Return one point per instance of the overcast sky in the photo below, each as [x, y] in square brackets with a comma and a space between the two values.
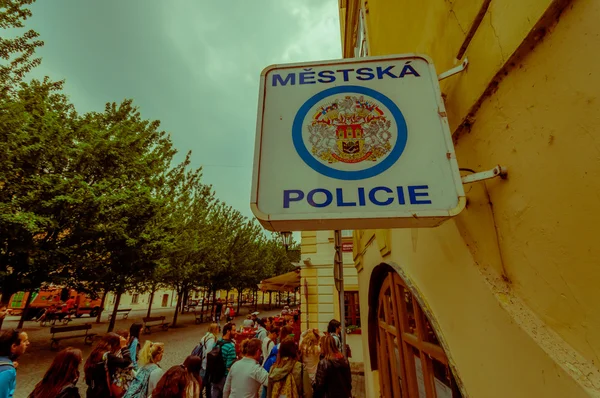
[192, 64]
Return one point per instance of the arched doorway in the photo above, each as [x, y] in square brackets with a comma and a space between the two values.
[411, 362]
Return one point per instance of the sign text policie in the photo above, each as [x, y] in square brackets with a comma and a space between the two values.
[353, 144]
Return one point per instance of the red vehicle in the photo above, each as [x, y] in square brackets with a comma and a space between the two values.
[44, 298]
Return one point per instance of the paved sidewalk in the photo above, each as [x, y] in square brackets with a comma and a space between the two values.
[179, 342]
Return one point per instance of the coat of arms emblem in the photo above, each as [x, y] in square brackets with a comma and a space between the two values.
[350, 130]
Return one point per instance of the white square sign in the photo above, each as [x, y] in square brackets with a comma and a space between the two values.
[354, 144]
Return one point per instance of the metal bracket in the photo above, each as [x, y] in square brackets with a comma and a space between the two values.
[454, 70]
[497, 171]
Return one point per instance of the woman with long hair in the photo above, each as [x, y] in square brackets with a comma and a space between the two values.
[175, 383]
[333, 378]
[287, 373]
[60, 380]
[110, 354]
[134, 342]
[150, 372]
[193, 364]
[310, 353]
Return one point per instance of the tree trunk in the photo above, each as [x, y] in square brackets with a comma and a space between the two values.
[150, 300]
[256, 299]
[102, 302]
[25, 310]
[184, 301]
[113, 318]
[204, 301]
[227, 297]
[214, 302]
[239, 301]
[179, 299]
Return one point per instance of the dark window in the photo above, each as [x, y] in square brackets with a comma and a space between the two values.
[352, 309]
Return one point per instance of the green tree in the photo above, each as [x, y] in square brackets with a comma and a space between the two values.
[36, 187]
[122, 226]
[191, 203]
[17, 52]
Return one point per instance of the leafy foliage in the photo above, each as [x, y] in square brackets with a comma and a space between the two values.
[96, 202]
[17, 51]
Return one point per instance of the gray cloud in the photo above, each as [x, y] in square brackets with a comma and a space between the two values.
[194, 65]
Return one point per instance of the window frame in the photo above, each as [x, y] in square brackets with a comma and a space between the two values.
[361, 49]
[403, 329]
[347, 233]
[17, 301]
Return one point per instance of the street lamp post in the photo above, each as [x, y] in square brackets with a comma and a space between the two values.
[338, 273]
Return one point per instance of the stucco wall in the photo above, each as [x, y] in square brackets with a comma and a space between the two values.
[543, 123]
[512, 282]
[439, 29]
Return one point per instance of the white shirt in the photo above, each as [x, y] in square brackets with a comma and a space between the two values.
[267, 346]
[244, 379]
[209, 342]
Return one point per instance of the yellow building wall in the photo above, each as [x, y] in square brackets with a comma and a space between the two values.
[512, 282]
[439, 28]
[320, 299]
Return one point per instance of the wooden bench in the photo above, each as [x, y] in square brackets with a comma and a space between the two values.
[151, 321]
[124, 311]
[88, 337]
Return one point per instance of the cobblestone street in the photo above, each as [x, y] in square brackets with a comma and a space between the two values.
[179, 342]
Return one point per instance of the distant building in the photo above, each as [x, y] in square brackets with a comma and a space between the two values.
[319, 297]
[163, 298]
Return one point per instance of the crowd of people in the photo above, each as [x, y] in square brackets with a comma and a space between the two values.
[266, 357]
[277, 361]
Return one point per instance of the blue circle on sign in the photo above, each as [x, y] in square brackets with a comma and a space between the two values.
[312, 162]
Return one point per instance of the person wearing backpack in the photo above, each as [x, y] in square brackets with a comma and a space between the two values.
[12, 344]
[220, 359]
[102, 364]
[230, 312]
[287, 377]
[150, 372]
[269, 342]
[246, 376]
[283, 334]
[270, 360]
[134, 343]
[205, 346]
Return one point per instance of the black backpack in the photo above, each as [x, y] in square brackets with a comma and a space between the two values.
[215, 363]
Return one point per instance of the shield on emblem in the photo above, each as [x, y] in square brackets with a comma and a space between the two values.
[350, 140]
